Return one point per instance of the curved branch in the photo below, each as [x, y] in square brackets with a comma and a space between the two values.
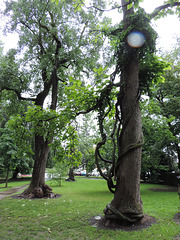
[129, 148]
[17, 93]
[162, 7]
[103, 159]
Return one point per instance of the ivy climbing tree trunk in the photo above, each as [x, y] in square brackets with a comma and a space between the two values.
[127, 198]
[127, 203]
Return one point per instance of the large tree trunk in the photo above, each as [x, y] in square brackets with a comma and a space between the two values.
[127, 200]
[37, 187]
[127, 204]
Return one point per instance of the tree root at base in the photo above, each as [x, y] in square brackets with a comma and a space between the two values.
[38, 192]
[112, 213]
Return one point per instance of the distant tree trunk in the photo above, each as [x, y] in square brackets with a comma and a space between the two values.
[15, 173]
[71, 174]
[7, 176]
[178, 154]
[127, 204]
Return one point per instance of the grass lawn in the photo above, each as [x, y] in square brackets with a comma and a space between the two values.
[12, 184]
[68, 217]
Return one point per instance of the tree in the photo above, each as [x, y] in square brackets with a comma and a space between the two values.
[131, 58]
[161, 123]
[127, 204]
[72, 153]
[12, 156]
[168, 100]
[57, 42]
[157, 157]
[7, 150]
[10, 106]
[87, 134]
[127, 201]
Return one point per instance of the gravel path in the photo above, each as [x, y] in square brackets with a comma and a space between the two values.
[12, 191]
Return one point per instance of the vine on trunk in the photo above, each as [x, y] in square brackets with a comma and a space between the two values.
[123, 55]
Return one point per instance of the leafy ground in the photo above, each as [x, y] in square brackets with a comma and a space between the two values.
[68, 217]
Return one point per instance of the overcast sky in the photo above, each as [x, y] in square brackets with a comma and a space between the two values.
[168, 28]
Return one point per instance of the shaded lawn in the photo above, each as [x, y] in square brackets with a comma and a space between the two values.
[68, 217]
[13, 184]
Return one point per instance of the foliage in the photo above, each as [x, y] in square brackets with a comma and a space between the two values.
[151, 72]
[171, 7]
[135, 21]
[161, 123]
[8, 150]
[12, 155]
[65, 148]
[71, 146]
[56, 173]
[21, 134]
[60, 45]
[156, 155]
[88, 135]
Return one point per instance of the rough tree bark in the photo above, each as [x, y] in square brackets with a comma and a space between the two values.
[127, 203]
[37, 187]
[71, 174]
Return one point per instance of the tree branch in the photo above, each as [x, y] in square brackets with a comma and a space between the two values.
[160, 8]
[26, 25]
[17, 93]
[104, 10]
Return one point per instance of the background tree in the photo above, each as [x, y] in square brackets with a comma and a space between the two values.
[57, 42]
[8, 150]
[167, 97]
[161, 124]
[9, 106]
[87, 134]
[12, 156]
[72, 154]
[157, 157]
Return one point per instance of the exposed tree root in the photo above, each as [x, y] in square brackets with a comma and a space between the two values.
[112, 213]
[113, 224]
[70, 180]
[38, 192]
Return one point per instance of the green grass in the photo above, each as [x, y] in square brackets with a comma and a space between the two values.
[68, 217]
[12, 184]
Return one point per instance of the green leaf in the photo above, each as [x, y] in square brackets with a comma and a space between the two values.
[136, 4]
[129, 6]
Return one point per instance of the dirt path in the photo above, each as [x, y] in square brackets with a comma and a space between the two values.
[12, 191]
